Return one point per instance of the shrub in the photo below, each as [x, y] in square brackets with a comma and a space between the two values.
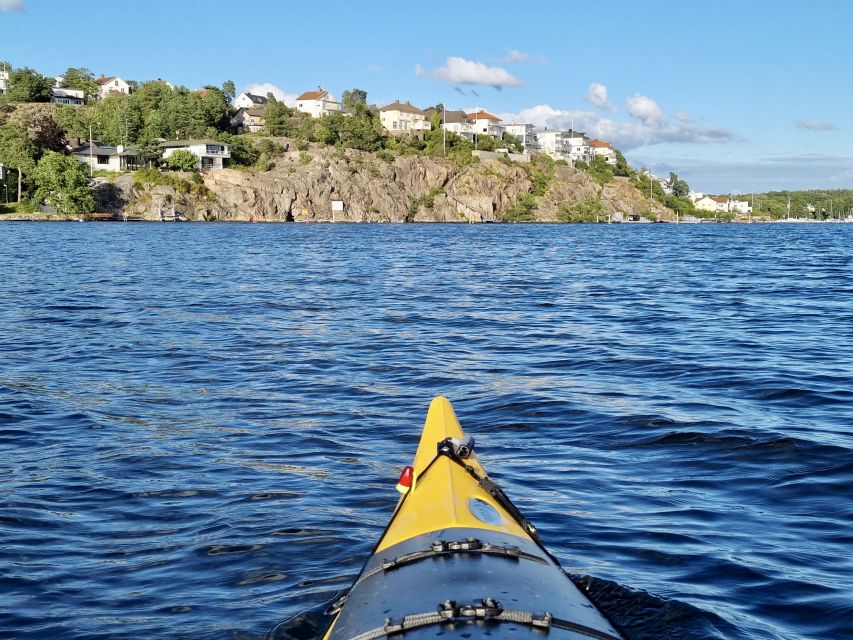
[183, 160]
[589, 210]
[522, 210]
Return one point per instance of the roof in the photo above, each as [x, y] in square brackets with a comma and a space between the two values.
[256, 98]
[448, 116]
[720, 199]
[313, 95]
[100, 149]
[252, 111]
[104, 80]
[405, 107]
[600, 144]
[187, 143]
[483, 115]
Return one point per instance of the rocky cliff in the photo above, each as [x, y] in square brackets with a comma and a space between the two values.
[302, 186]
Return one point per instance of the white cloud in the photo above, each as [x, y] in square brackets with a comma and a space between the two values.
[597, 97]
[461, 71]
[374, 68]
[263, 88]
[655, 128]
[815, 125]
[11, 5]
[644, 108]
[514, 56]
[419, 70]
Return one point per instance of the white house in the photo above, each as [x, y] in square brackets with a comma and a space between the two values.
[553, 143]
[102, 157]
[717, 204]
[485, 122]
[4, 79]
[402, 117]
[250, 100]
[211, 154]
[75, 97]
[318, 103]
[605, 150]
[526, 133]
[111, 84]
[740, 206]
[248, 119]
[455, 121]
[580, 149]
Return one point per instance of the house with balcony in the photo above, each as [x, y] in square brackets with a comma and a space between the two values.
[211, 154]
[401, 118]
[74, 97]
[248, 120]
[526, 133]
[580, 149]
[103, 157]
[249, 101]
[454, 121]
[318, 103]
[486, 123]
[110, 85]
[605, 150]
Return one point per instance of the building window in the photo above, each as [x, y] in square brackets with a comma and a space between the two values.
[103, 159]
[214, 148]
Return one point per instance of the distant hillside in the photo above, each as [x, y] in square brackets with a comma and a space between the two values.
[817, 203]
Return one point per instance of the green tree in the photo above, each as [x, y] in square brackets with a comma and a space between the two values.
[80, 78]
[18, 152]
[28, 85]
[183, 160]
[277, 118]
[63, 183]
[513, 143]
[622, 168]
[680, 189]
[229, 89]
[354, 101]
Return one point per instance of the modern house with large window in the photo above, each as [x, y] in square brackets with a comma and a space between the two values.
[75, 97]
[103, 157]
[211, 154]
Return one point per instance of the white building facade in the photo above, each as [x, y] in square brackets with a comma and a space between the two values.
[486, 123]
[110, 85]
[74, 97]
[402, 117]
[527, 134]
[249, 101]
[4, 80]
[211, 154]
[318, 103]
[102, 157]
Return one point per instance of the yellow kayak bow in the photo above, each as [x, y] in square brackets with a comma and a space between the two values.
[459, 559]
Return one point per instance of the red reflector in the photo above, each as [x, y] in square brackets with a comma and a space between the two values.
[407, 476]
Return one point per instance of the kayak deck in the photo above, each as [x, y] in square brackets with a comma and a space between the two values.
[457, 559]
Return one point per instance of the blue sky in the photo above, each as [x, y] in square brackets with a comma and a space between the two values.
[734, 96]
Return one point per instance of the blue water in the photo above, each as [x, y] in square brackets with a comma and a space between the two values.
[201, 426]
